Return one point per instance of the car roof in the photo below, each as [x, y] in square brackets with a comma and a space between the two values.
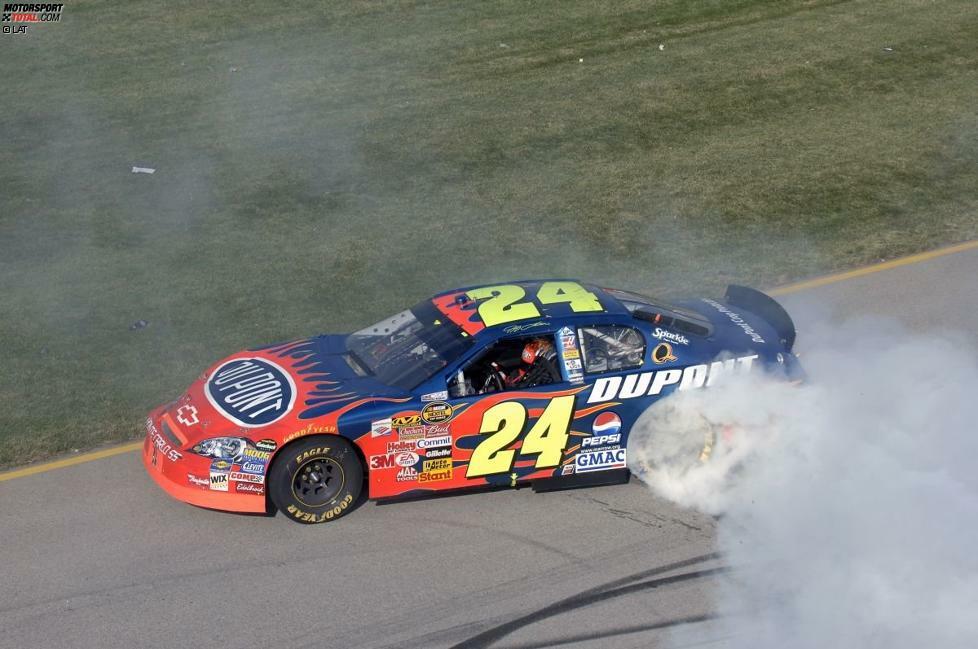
[461, 309]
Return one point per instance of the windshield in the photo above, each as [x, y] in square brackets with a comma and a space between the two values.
[408, 347]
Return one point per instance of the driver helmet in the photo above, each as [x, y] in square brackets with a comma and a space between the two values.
[538, 348]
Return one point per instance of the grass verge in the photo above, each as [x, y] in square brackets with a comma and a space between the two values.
[320, 168]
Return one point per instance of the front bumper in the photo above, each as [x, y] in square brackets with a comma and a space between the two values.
[173, 470]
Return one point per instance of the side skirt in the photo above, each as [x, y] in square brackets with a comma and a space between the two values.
[595, 479]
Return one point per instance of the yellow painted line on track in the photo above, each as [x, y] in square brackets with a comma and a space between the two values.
[782, 290]
[873, 268]
[78, 459]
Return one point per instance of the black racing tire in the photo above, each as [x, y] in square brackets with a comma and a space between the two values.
[316, 479]
[671, 439]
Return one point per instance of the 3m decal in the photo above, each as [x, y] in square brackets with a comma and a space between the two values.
[504, 422]
[384, 461]
[391, 460]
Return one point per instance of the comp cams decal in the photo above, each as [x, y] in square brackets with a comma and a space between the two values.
[251, 392]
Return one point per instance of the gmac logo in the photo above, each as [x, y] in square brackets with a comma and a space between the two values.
[251, 392]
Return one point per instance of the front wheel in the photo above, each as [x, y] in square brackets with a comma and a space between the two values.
[316, 480]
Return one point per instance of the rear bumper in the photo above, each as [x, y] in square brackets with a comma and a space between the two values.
[174, 472]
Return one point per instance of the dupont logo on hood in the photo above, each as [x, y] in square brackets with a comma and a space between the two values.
[251, 392]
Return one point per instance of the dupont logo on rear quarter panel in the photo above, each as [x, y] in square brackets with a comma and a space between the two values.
[251, 392]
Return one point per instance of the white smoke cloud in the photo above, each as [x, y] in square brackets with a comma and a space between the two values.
[848, 506]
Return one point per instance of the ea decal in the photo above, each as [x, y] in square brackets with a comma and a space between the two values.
[251, 392]
[607, 423]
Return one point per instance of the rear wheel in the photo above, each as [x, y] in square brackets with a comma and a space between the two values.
[668, 438]
[317, 479]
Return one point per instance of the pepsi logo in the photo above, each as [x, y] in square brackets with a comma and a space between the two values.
[606, 423]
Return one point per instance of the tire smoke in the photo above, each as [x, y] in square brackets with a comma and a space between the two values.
[848, 506]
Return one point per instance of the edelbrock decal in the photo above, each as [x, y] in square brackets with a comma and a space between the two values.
[251, 392]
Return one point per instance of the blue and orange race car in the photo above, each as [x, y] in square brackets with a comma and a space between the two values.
[531, 382]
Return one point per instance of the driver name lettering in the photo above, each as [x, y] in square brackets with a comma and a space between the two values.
[643, 384]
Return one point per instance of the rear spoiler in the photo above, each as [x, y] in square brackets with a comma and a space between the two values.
[767, 308]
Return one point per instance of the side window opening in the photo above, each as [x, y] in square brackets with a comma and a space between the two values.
[511, 364]
[611, 348]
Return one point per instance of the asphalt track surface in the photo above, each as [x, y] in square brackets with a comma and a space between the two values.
[95, 555]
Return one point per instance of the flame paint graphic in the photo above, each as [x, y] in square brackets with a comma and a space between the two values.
[325, 396]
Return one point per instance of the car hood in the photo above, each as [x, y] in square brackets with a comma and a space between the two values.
[258, 391]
